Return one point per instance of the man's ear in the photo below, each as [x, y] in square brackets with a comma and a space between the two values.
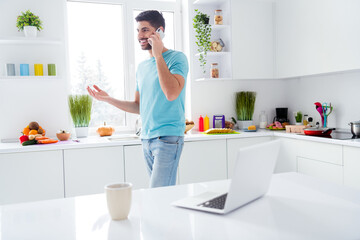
[162, 28]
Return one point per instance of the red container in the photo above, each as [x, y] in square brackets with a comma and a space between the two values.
[201, 124]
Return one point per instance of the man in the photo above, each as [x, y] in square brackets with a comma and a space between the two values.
[160, 100]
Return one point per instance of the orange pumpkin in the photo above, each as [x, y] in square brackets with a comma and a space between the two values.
[105, 130]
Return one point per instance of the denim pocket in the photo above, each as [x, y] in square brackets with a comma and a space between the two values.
[169, 139]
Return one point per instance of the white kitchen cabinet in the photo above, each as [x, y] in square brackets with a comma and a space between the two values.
[135, 167]
[203, 161]
[233, 145]
[31, 176]
[287, 156]
[321, 160]
[314, 37]
[325, 152]
[252, 29]
[88, 170]
[352, 167]
[326, 171]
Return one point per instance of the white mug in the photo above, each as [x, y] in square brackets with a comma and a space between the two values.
[118, 196]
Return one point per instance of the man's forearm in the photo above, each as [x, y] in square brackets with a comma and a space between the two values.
[128, 106]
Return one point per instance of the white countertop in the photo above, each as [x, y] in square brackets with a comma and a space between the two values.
[129, 139]
[296, 207]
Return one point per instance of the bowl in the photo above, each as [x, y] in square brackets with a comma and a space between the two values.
[63, 136]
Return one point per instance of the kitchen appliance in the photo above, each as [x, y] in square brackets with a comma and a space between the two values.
[281, 115]
[355, 128]
[219, 121]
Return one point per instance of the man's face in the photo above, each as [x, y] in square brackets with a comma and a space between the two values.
[145, 30]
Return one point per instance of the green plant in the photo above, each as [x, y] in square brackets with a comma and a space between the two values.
[80, 109]
[203, 34]
[28, 19]
[298, 117]
[245, 105]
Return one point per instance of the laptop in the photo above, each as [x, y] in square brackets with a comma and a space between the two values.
[250, 181]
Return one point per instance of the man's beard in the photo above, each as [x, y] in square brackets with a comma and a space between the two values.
[146, 47]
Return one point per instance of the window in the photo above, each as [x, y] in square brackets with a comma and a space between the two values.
[102, 52]
[96, 55]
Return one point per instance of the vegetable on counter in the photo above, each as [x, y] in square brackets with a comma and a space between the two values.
[23, 138]
[29, 142]
[47, 141]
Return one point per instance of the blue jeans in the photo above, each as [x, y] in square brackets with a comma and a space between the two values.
[162, 156]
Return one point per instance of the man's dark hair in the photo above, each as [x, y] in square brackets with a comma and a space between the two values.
[155, 18]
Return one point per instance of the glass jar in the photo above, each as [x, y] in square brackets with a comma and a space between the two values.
[214, 70]
[218, 18]
[262, 119]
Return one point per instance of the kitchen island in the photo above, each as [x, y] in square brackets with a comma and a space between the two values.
[296, 207]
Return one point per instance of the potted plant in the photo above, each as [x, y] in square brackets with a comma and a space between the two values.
[245, 104]
[203, 34]
[29, 23]
[298, 118]
[80, 110]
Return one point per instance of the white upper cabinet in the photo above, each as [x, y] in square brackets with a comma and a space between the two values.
[316, 36]
[252, 39]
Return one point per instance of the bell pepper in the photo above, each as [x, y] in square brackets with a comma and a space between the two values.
[23, 138]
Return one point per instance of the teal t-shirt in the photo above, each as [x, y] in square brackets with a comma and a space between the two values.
[159, 116]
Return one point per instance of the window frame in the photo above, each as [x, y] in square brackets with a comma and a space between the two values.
[129, 44]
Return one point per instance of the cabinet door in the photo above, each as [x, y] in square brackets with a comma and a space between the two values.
[31, 176]
[203, 161]
[325, 152]
[310, 36]
[135, 167]
[352, 167]
[252, 39]
[88, 170]
[287, 156]
[323, 170]
[233, 146]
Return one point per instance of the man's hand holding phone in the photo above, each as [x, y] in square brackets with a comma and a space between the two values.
[155, 41]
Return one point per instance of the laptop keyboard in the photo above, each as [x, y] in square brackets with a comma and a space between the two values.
[218, 202]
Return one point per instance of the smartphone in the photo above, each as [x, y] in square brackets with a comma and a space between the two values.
[161, 33]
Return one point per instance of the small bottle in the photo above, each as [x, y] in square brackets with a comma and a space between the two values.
[214, 70]
[262, 119]
[206, 123]
[201, 124]
[218, 18]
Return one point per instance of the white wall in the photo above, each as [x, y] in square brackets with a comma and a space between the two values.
[219, 97]
[341, 89]
[28, 99]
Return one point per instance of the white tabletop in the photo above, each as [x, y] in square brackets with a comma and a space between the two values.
[296, 207]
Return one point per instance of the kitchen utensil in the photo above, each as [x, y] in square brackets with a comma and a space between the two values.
[355, 128]
[318, 131]
[327, 109]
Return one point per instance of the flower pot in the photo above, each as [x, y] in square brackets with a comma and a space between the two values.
[244, 124]
[81, 132]
[30, 31]
[298, 123]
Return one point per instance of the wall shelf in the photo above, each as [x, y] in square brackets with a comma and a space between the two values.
[206, 2]
[212, 79]
[211, 54]
[42, 78]
[31, 41]
[220, 27]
